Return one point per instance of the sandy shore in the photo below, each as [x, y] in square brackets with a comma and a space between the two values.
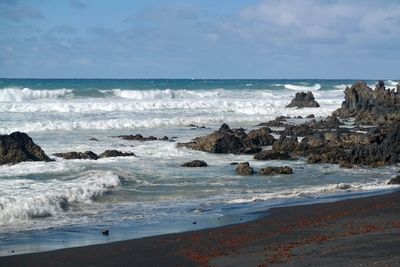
[355, 232]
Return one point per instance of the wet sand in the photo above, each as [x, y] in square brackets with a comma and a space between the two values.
[355, 232]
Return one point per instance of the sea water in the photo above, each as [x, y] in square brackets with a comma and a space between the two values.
[64, 203]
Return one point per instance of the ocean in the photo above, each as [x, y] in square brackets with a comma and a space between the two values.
[65, 203]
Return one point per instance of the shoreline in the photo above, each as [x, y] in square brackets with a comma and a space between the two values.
[319, 234]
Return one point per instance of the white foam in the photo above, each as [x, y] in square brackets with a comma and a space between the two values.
[27, 94]
[314, 87]
[389, 84]
[342, 86]
[166, 94]
[23, 199]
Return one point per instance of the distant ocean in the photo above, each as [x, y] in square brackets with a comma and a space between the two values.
[68, 203]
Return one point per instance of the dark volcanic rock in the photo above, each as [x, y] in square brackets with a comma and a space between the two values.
[195, 164]
[303, 100]
[398, 88]
[224, 140]
[18, 147]
[94, 139]
[370, 106]
[278, 122]
[244, 168]
[395, 180]
[138, 137]
[331, 122]
[116, 153]
[311, 116]
[261, 137]
[77, 155]
[285, 144]
[276, 170]
[272, 155]
[298, 130]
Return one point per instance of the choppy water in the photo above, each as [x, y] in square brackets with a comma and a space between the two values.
[66, 203]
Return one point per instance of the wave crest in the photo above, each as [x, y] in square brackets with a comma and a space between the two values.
[314, 87]
[27, 94]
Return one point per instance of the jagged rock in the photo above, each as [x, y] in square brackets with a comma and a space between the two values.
[298, 130]
[77, 155]
[398, 88]
[395, 180]
[311, 116]
[94, 139]
[331, 122]
[272, 155]
[276, 170]
[138, 137]
[116, 153]
[285, 144]
[261, 137]
[244, 168]
[195, 164]
[277, 122]
[164, 138]
[224, 140]
[18, 147]
[303, 100]
[370, 106]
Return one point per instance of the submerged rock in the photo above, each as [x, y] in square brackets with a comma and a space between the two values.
[395, 180]
[77, 155]
[18, 147]
[276, 170]
[303, 100]
[138, 137]
[244, 168]
[195, 164]
[116, 153]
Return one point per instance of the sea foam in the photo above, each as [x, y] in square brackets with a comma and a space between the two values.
[314, 87]
[27, 94]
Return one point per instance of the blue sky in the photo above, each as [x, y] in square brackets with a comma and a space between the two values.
[200, 39]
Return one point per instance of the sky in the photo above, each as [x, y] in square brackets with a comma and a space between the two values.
[327, 39]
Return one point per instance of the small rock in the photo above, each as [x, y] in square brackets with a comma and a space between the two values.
[106, 232]
[78, 155]
[244, 168]
[311, 116]
[195, 164]
[116, 153]
[234, 163]
[94, 139]
[303, 100]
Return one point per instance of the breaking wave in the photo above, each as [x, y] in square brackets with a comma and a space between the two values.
[27, 94]
[314, 87]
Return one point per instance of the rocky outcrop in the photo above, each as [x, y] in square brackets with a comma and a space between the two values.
[77, 155]
[276, 170]
[138, 137]
[244, 168]
[18, 147]
[116, 153]
[235, 141]
[195, 164]
[272, 155]
[298, 130]
[303, 100]
[368, 106]
[331, 122]
[286, 144]
[280, 121]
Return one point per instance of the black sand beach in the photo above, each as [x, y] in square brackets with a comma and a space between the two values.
[355, 232]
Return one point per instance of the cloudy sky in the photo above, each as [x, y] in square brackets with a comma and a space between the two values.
[200, 38]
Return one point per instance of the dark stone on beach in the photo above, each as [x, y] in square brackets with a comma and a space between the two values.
[77, 155]
[303, 100]
[395, 180]
[138, 137]
[106, 232]
[94, 139]
[244, 168]
[272, 155]
[224, 140]
[18, 147]
[370, 106]
[311, 116]
[276, 170]
[195, 164]
[116, 153]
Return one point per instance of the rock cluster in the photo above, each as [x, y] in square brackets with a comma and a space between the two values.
[303, 100]
[229, 141]
[93, 156]
[368, 106]
[18, 147]
[276, 170]
[244, 168]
